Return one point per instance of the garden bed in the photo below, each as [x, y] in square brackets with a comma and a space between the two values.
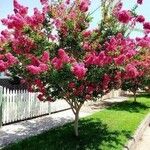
[107, 129]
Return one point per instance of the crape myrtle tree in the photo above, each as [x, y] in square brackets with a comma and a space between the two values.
[55, 54]
[142, 80]
[146, 60]
[136, 75]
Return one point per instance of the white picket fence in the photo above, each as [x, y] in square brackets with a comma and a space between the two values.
[17, 105]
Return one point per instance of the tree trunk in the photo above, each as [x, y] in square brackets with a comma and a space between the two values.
[75, 106]
[134, 93]
[76, 122]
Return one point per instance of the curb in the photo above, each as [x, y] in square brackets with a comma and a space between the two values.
[132, 143]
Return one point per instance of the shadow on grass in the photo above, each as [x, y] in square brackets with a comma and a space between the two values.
[140, 95]
[94, 135]
[129, 106]
[145, 95]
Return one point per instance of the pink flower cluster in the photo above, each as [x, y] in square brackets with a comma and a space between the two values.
[45, 57]
[44, 2]
[143, 42]
[84, 90]
[146, 25]
[20, 9]
[106, 80]
[79, 70]
[140, 1]
[21, 19]
[37, 69]
[84, 5]
[100, 59]
[22, 44]
[140, 19]
[131, 71]
[7, 61]
[124, 16]
[62, 59]
[38, 66]
[117, 50]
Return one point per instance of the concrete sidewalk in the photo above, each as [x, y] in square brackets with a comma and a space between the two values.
[144, 143]
[22, 130]
[18, 131]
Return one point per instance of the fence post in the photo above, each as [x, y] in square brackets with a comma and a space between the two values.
[1, 92]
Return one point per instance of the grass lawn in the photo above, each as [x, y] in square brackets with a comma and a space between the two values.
[109, 129]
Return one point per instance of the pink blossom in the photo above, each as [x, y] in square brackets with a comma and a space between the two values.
[43, 67]
[89, 59]
[86, 33]
[140, 18]
[131, 71]
[57, 63]
[3, 66]
[38, 17]
[101, 58]
[22, 44]
[146, 25]
[33, 69]
[20, 9]
[34, 60]
[11, 59]
[140, 1]
[84, 5]
[38, 82]
[2, 56]
[37, 69]
[52, 37]
[45, 57]
[63, 55]
[5, 33]
[43, 2]
[117, 8]
[79, 70]
[143, 42]
[67, 2]
[118, 75]
[71, 85]
[87, 46]
[131, 53]
[124, 16]
[41, 97]
[120, 60]
[14, 21]
[106, 81]
[63, 58]
[90, 89]
[58, 23]
[46, 8]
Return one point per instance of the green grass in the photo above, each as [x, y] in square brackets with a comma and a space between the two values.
[109, 129]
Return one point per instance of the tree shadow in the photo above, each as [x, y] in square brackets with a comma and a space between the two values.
[94, 135]
[146, 95]
[139, 95]
[129, 106]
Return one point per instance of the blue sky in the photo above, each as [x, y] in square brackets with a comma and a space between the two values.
[6, 7]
